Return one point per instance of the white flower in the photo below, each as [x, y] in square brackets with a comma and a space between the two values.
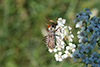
[71, 46]
[80, 34]
[58, 56]
[64, 56]
[69, 28]
[72, 36]
[67, 48]
[68, 54]
[79, 24]
[50, 50]
[81, 38]
[69, 38]
[60, 20]
[60, 44]
[55, 50]
[73, 50]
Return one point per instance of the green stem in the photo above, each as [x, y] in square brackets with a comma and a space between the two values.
[61, 63]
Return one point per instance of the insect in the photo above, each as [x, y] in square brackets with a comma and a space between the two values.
[50, 38]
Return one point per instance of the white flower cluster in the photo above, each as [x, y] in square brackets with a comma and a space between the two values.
[64, 46]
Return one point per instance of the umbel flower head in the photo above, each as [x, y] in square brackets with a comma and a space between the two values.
[63, 41]
[89, 38]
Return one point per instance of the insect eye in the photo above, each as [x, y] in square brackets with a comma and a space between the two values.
[53, 25]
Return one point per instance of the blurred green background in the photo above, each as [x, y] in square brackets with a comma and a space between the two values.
[22, 28]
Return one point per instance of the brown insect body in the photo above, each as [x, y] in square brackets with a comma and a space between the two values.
[50, 40]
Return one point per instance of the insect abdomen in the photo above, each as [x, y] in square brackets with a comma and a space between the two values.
[50, 41]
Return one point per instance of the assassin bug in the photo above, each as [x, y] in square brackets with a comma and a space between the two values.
[50, 38]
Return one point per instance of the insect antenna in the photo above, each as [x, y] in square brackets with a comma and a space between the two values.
[47, 22]
[45, 19]
[56, 16]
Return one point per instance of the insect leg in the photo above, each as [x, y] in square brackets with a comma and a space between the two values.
[44, 39]
[56, 29]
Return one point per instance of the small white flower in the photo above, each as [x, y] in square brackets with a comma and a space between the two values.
[60, 20]
[79, 24]
[73, 50]
[69, 38]
[78, 32]
[68, 54]
[72, 36]
[59, 46]
[50, 50]
[69, 28]
[66, 51]
[58, 56]
[67, 48]
[71, 46]
[55, 50]
[81, 38]
[64, 56]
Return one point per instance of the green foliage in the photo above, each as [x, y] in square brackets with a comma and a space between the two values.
[21, 23]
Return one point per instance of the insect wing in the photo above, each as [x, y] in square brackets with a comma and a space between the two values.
[50, 42]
